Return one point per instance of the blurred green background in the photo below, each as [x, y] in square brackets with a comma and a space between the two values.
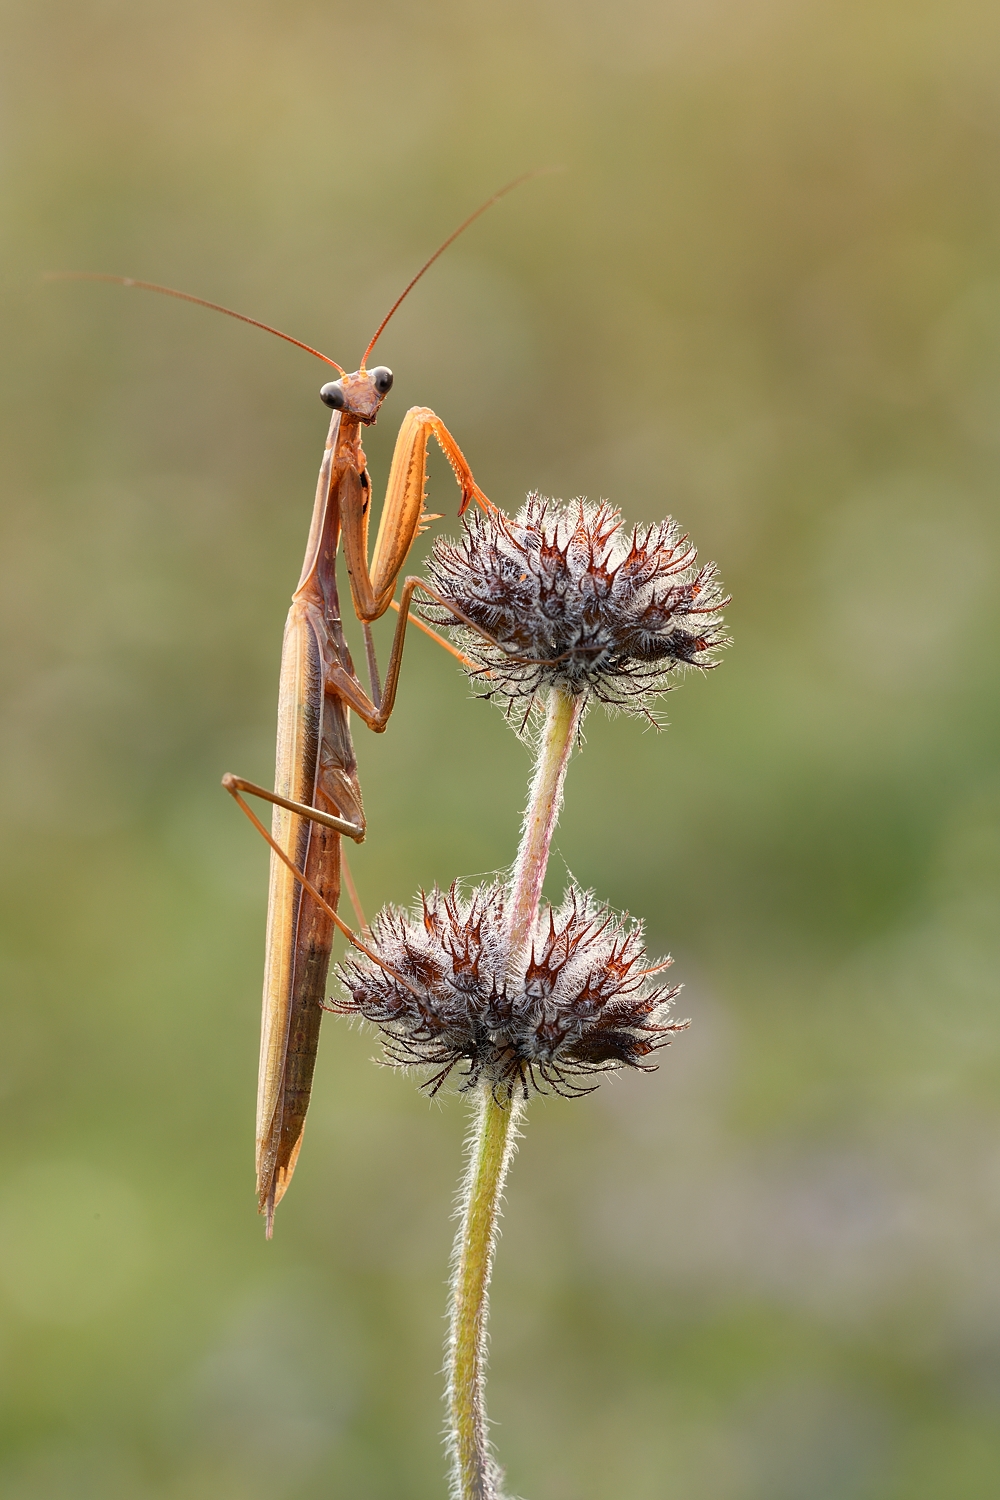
[764, 295]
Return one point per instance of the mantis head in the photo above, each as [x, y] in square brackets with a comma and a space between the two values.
[359, 395]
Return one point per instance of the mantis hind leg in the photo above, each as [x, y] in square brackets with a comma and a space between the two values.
[234, 784]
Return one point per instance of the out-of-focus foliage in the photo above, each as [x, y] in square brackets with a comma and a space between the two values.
[764, 295]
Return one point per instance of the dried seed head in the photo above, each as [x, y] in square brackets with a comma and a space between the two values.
[573, 601]
[582, 1002]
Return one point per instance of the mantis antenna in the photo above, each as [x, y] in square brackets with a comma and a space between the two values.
[502, 193]
[170, 291]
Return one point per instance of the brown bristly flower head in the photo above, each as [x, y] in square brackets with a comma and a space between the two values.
[574, 600]
[581, 1001]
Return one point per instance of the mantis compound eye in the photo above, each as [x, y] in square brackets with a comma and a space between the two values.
[332, 394]
[382, 378]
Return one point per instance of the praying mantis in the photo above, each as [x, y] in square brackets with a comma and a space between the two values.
[317, 797]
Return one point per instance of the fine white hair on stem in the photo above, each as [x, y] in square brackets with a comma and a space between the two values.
[545, 795]
[474, 1471]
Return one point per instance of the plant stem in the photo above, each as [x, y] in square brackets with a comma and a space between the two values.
[475, 1473]
[562, 720]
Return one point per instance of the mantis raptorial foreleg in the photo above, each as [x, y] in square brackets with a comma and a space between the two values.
[373, 585]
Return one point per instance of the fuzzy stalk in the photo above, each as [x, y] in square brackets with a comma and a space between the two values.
[475, 1473]
[562, 720]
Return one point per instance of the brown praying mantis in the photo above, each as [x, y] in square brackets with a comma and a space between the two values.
[317, 797]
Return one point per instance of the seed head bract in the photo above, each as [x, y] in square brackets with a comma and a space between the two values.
[572, 599]
[581, 1000]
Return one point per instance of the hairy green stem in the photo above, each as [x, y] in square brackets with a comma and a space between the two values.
[475, 1473]
[562, 720]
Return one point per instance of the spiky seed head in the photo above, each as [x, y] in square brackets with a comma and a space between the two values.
[575, 601]
[581, 1001]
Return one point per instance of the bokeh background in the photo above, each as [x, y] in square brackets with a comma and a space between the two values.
[763, 295]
